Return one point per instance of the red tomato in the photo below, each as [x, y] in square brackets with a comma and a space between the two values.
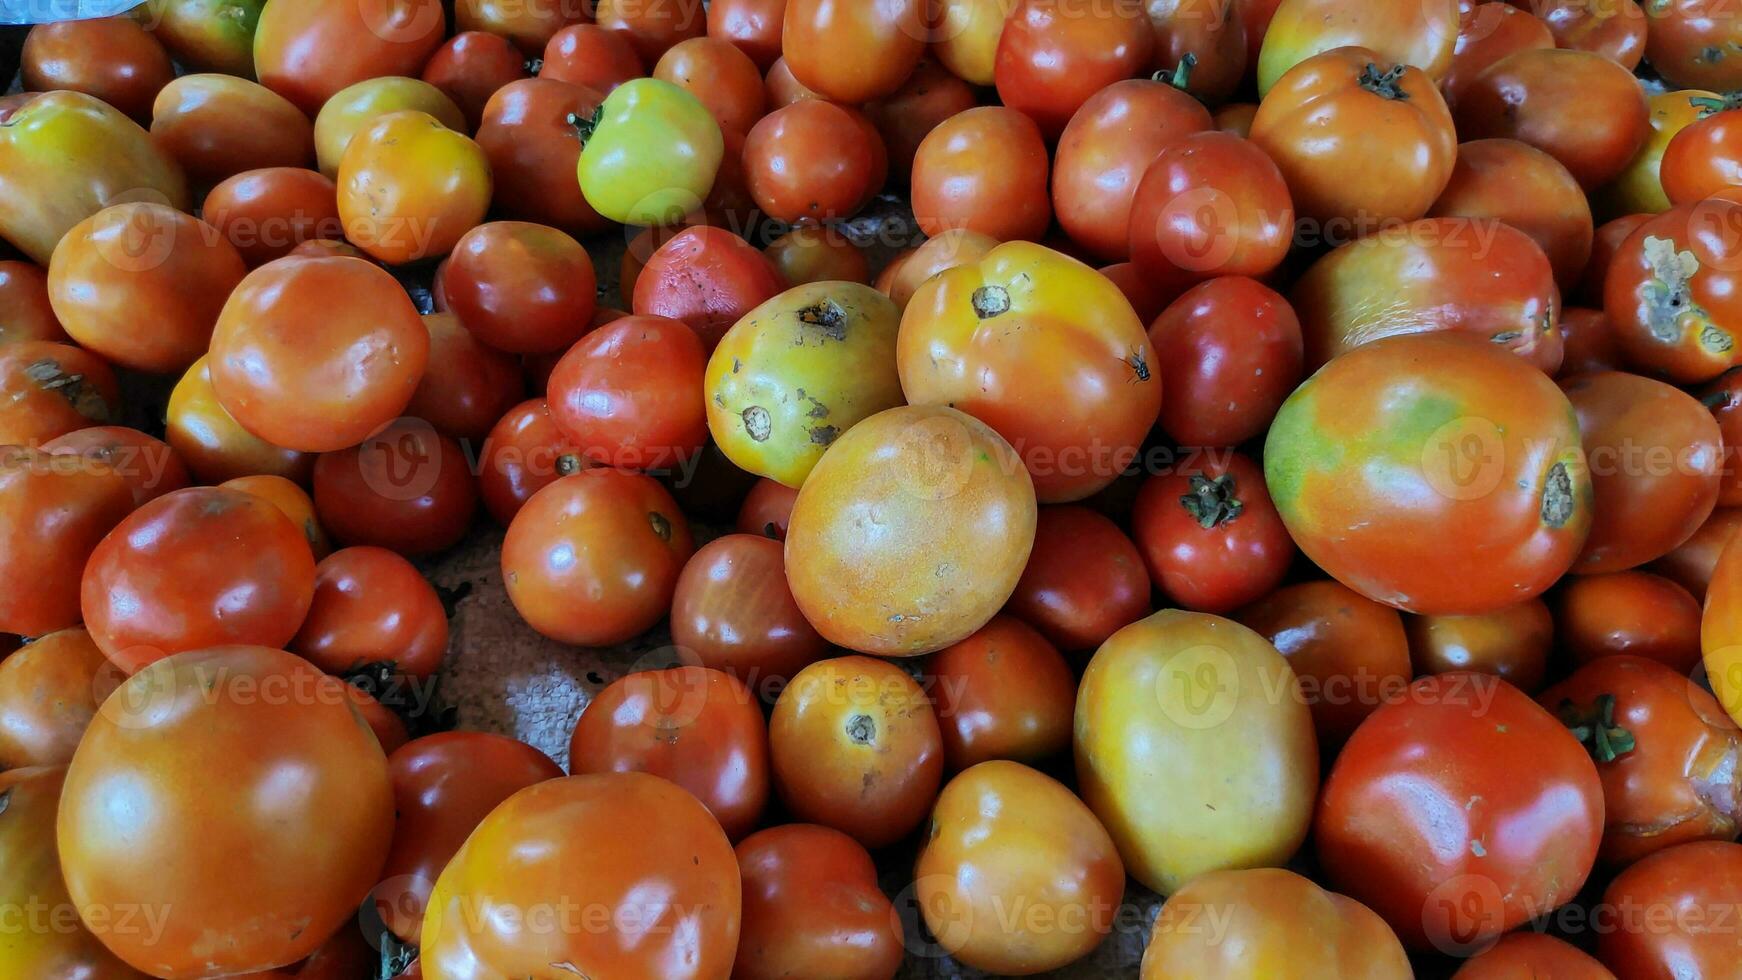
[532, 150]
[1526, 188]
[1501, 820]
[1511, 643]
[217, 126]
[811, 253]
[1052, 56]
[49, 389]
[1682, 36]
[983, 170]
[814, 161]
[753, 25]
[1532, 954]
[1580, 108]
[1670, 913]
[1211, 204]
[782, 88]
[1228, 352]
[593, 57]
[1614, 30]
[521, 287]
[467, 386]
[1210, 535]
[945, 250]
[372, 607]
[24, 297]
[854, 52]
[471, 67]
[1635, 613]
[1488, 32]
[150, 467]
[1605, 242]
[733, 611]
[1673, 291]
[812, 908]
[722, 77]
[906, 116]
[49, 692]
[407, 488]
[524, 453]
[629, 394]
[292, 501]
[1692, 562]
[266, 213]
[112, 58]
[708, 278]
[308, 50]
[1002, 693]
[697, 727]
[767, 509]
[1587, 343]
[1084, 579]
[652, 26]
[1200, 46]
[529, 25]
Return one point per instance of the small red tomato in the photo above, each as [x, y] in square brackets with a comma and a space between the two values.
[524, 453]
[112, 58]
[733, 611]
[1210, 535]
[1211, 204]
[1052, 56]
[1228, 351]
[722, 77]
[708, 278]
[629, 394]
[308, 50]
[373, 607]
[853, 52]
[812, 908]
[407, 488]
[1084, 579]
[151, 467]
[467, 386]
[985, 171]
[591, 56]
[1692, 887]
[1580, 108]
[904, 117]
[521, 287]
[1002, 693]
[652, 26]
[471, 67]
[814, 161]
[767, 509]
[1630, 612]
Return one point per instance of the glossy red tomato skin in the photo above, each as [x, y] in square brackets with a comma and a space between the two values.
[1671, 291]
[593, 558]
[593, 57]
[307, 52]
[49, 389]
[1691, 885]
[1104, 151]
[1535, 954]
[1084, 579]
[652, 26]
[24, 296]
[1643, 510]
[1211, 204]
[266, 213]
[1605, 243]
[532, 151]
[734, 612]
[1210, 535]
[906, 116]
[243, 573]
[524, 453]
[1530, 802]
[708, 278]
[466, 386]
[1512, 643]
[112, 58]
[1051, 58]
[700, 728]
[1580, 108]
[1587, 343]
[767, 509]
[629, 394]
[217, 126]
[812, 908]
[521, 287]
[214, 445]
[814, 161]
[443, 786]
[753, 25]
[372, 606]
[1526, 188]
[150, 467]
[1692, 563]
[53, 514]
[1229, 351]
[1003, 693]
[722, 77]
[407, 488]
[471, 67]
[957, 185]
[853, 53]
[1628, 613]
[1488, 32]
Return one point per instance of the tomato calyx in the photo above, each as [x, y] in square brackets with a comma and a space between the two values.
[1180, 75]
[1384, 84]
[1596, 730]
[1712, 105]
[585, 128]
[1212, 502]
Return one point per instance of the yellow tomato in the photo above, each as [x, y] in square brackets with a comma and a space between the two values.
[355, 107]
[410, 187]
[966, 37]
[1408, 32]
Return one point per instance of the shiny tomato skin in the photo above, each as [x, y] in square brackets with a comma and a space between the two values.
[1511, 643]
[444, 785]
[593, 558]
[1402, 32]
[906, 116]
[1494, 528]
[524, 453]
[283, 358]
[307, 50]
[24, 296]
[1487, 32]
[1052, 58]
[1228, 352]
[1587, 343]
[953, 176]
[214, 445]
[812, 253]
[355, 108]
[616, 838]
[1671, 292]
[1210, 204]
[812, 908]
[1640, 185]
[945, 250]
[217, 126]
[708, 278]
[49, 692]
[591, 57]
[1084, 579]
[629, 394]
[1003, 693]
[853, 53]
[753, 25]
[1518, 184]
[407, 488]
[721, 76]
[466, 386]
[266, 213]
[652, 26]
[855, 746]
[1530, 953]
[371, 606]
[1580, 108]
[1105, 150]
[1210, 536]
[276, 879]
[814, 161]
[520, 287]
[733, 611]
[111, 58]
[533, 154]
[528, 25]
[49, 389]
[1683, 884]
[150, 467]
[1680, 41]
[700, 728]
[1628, 613]
[410, 187]
[1530, 798]
[471, 67]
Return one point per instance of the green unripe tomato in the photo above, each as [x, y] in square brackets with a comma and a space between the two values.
[651, 153]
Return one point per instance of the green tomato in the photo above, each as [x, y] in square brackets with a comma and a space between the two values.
[651, 153]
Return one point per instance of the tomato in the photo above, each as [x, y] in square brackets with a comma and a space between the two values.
[1349, 652]
[1432, 472]
[983, 170]
[410, 188]
[466, 386]
[526, 135]
[371, 606]
[651, 153]
[812, 253]
[528, 25]
[1580, 108]
[48, 939]
[41, 197]
[1671, 292]
[1682, 38]
[1104, 152]
[753, 25]
[1002, 693]
[836, 342]
[254, 588]
[767, 509]
[1211, 204]
[652, 26]
[724, 78]
[266, 213]
[592, 57]
[1688, 888]
[1488, 32]
[812, 907]
[1360, 141]
[1511, 643]
[1209, 534]
[855, 746]
[1052, 56]
[1587, 343]
[1691, 564]
[1003, 835]
[1528, 953]
[707, 277]
[1148, 298]
[1236, 118]
[1655, 456]
[629, 394]
[49, 692]
[209, 35]
[293, 502]
[150, 467]
[471, 67]
[213, 444]
[1201, 46]
[733, 611]
[217, 126]
[1043, 349]
[697, 727]
[1723, 395]
[275, 881]
[407, 488]
[814, 161]
[965, 37]
[1276, 924]
[524, 453]
[853, 53]
[112, 58]
[1721, 629]
[307, 50]
[1186, 693]
[356, 108]
[1404, 32]
[1528, 802]
[593, 558]
[640, 849]
[1227, 352]
[521, 287]
[1705, 156]
[1634, 613]
[1516, 183]
[143, 259]
[1084, 579]
[906, 116]
[1616, 30]
[444, 785]
[1639, 187]
[28, 314]
[1605, 243]
[49, 389]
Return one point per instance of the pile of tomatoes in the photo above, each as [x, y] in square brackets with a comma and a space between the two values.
[1285, 463]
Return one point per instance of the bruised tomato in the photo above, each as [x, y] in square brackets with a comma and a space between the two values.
[49, 389]
[151, 467]
[707, 277]
[1488, 32]
[49, 692]
[1673, 291]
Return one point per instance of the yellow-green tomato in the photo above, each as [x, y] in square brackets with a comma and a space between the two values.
[651, 153]
[798, 371]
[1195, 747]
[352, 109]
[1016, 876]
